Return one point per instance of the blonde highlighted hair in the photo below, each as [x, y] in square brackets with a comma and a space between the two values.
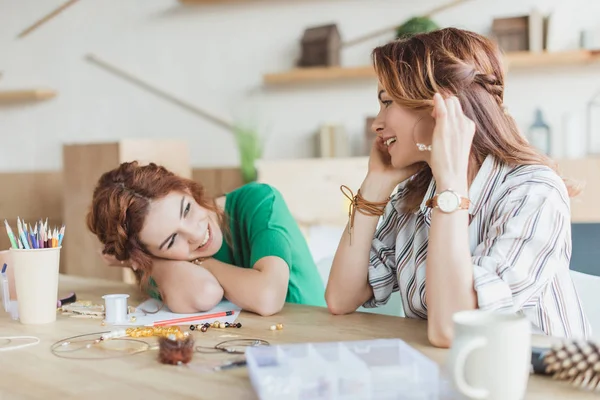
[469, 66]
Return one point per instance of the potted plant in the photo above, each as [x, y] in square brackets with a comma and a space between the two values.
[250, 147]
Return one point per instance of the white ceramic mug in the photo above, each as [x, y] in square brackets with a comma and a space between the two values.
[490, 356]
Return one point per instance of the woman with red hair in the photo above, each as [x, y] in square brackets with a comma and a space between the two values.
[190, 250]
[480, 219]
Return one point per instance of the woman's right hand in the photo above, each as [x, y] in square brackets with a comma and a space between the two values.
[382, 176]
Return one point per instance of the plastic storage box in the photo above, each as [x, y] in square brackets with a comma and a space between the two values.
[371, 369]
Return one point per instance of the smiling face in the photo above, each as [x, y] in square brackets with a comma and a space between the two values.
[178, 228]
[400, 127]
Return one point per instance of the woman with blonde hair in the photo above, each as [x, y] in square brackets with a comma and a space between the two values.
[478, 219]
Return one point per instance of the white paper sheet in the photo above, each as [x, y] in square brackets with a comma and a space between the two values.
[142, 319]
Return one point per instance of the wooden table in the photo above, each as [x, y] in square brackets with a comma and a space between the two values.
[34, 372]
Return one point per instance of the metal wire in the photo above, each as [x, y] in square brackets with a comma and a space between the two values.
[59, 348]
[229, 346]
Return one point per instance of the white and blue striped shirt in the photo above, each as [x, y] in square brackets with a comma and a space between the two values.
[520, 242]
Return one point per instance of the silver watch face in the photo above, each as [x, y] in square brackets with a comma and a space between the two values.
[448, 201]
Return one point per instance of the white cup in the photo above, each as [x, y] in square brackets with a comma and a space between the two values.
[490, 356]
[36, 281]
[115, 308]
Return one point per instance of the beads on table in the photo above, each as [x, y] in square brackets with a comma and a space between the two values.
[220, 325]
[276, 327]
[160, 331]
[146, 331]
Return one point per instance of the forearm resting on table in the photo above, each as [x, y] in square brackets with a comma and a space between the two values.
[261, 289]
[348, 285]
[449, 275]
[186, 287]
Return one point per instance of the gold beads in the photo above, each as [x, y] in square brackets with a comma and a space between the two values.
[276, 327]
[160, 331]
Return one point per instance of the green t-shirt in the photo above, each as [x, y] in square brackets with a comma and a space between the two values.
[261, 225]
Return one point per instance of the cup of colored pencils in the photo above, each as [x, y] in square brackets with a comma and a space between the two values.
[38, 236]
[35, 259]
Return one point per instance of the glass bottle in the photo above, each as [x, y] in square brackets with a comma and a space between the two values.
[539, 134]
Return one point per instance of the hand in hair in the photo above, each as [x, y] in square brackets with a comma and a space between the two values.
[451, 144]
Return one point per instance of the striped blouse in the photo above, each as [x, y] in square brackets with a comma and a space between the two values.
[520, 242]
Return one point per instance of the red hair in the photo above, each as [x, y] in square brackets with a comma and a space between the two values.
[469, 66]
[120, 204]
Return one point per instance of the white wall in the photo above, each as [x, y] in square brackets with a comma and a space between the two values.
[214, 56]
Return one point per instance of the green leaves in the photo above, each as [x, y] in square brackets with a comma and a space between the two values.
[415, 25]
[250, 147]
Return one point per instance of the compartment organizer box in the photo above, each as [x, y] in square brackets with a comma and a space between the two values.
[369, 369]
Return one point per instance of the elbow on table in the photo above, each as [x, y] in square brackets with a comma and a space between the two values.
[268, 303]
[335, 305]
[439, 335]
[209, 295]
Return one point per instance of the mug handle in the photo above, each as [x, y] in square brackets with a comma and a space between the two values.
[458, 374]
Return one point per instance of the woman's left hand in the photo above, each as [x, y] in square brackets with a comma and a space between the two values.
[451, 144]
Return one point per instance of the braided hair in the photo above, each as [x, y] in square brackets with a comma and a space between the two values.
[121, 202]
[456, 62]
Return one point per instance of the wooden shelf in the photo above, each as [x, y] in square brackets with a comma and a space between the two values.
[15, 96]
[299, 75]
[513, 60]
[526, 59]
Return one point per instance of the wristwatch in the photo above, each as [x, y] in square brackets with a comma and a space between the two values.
[448, 201]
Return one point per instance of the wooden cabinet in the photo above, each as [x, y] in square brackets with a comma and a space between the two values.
[83, 164]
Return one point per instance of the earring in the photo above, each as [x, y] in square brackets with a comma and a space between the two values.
[420, 146]
[423, 147]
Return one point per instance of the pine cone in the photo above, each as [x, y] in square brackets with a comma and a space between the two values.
[577, 362]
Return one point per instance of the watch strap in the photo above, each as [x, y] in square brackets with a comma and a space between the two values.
[464, 202]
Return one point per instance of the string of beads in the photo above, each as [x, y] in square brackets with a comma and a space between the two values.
[222, 325]
[146, 331]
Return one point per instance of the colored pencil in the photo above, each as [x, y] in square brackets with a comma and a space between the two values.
[11, 235]
[192, 319]
[60, 235]
[21, 232]
[38, 236]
